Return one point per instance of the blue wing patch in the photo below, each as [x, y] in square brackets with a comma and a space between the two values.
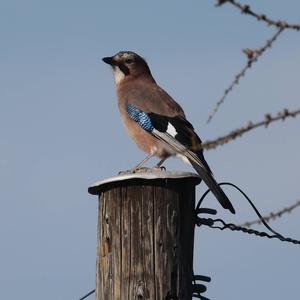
[140, 117]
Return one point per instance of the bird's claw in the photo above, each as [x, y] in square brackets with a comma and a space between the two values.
[159, 168]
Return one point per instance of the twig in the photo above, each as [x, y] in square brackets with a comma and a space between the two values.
[253, 56]
[273, 215]
[245, 9]
[240, 131]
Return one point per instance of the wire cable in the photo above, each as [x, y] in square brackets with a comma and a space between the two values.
[211, 222]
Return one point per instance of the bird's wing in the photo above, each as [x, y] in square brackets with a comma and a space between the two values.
[163, 109]
[179, 135]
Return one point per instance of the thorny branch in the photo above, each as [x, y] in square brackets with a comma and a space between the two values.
[252, 55]
[240, 131]
[245, 9]
[273, 215]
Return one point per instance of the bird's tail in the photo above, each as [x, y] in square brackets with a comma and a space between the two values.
[200, 165]
[213, 185]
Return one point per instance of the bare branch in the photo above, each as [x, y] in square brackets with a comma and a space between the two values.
[245, 9]
[273, 215]
[252, 55]
[240, 131]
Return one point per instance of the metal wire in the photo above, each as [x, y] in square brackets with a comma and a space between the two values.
[268, 119]
[273, 215]
[253, 56]
[245, 9]
[212, 224]
[88, 294]
[233, 227]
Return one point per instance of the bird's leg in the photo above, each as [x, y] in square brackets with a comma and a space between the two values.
[144, 160]
[159, 166]
[137, 167]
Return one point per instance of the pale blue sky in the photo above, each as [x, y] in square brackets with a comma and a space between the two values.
[60, 131]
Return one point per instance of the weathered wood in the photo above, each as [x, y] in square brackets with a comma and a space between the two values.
[145, 236]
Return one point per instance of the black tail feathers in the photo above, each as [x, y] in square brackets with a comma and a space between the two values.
[213, 186]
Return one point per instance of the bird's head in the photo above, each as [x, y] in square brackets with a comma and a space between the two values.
[127, 64]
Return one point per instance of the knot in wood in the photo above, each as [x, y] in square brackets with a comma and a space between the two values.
[140, 290]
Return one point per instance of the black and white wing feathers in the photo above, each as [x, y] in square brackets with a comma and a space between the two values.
[179, 135]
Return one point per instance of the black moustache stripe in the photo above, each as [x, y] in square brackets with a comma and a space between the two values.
[124, 69]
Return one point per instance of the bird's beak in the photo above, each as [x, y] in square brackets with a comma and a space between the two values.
[110, 60]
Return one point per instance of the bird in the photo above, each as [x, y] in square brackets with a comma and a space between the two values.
[155, 121]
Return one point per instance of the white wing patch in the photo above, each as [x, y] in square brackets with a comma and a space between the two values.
[171, 130]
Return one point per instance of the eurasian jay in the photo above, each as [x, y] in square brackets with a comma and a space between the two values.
[155, 122]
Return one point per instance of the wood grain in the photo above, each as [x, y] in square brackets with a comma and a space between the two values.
[145, 240]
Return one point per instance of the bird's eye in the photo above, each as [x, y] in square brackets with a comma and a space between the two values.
[129, 61]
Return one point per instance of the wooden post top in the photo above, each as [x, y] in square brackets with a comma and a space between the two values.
[142, 178]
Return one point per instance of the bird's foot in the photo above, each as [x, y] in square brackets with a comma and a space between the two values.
[158, 168]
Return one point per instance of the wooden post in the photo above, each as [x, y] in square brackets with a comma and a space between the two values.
[145, 236]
